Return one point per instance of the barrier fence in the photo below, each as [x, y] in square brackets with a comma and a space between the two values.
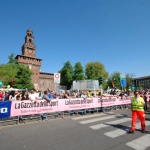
[12, 110]
[26, 107]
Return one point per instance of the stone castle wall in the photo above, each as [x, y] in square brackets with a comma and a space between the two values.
[46, 81]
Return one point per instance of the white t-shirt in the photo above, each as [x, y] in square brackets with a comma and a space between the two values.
[12, 98]
[33, 96]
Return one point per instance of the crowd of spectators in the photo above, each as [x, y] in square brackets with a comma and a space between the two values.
[33, 95]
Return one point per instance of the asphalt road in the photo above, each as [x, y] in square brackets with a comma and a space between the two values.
[103, 131]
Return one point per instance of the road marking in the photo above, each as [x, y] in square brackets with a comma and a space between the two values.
[141, 143]
[122, 131]
[100, 119]
[111, 123]
[95, 115]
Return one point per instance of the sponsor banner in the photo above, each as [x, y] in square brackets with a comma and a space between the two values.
[78, 103]
[5, 108]
[112, 101]
[20, 108]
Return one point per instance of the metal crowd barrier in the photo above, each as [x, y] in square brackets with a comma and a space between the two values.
[37, 117]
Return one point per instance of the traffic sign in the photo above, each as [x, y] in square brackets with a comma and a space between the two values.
[56, 77]
[123, 80]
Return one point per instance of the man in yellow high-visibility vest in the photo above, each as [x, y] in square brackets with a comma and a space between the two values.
[137, 107]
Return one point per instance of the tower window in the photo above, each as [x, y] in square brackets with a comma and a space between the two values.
[30, 40]
[29, 34]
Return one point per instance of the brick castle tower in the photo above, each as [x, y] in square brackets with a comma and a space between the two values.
[41, 80]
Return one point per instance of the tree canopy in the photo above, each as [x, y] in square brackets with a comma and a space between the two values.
[66, 75]
[22, 77]
[92, 71]
[16, 75]
[95, 69]
[114, 80]
[78, 72]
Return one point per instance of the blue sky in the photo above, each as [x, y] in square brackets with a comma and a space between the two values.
[113, 32]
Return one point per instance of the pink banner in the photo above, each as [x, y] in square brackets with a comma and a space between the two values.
[21, 108]
[112, 101]
[78, 103]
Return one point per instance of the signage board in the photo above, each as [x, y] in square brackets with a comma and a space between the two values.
[123, 80]
[57, 78]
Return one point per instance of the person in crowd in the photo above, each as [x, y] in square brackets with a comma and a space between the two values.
[88, 93]
[137, 107]
[73, 95]
[92, 95]
[78, 95]
[145, 100]
[12, 95]
[149, 103]
[39, 95]
[1, 95]
[6, 96]
[57, 96]
[33, 96]
[66, 94]
[16, 93]
[50, 95]
[24, 95]
[61, 96]
[84, 96]
[111, 92]
[122, 94]
[97, 93]
[18, 98]
[45, 97]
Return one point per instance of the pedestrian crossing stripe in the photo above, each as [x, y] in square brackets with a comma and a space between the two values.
[141, 143]
[122, 131]
[100, 119]
[90, 116]
[106, 124]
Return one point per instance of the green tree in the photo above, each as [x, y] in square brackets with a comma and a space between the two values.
[115, 78]
[17, 72]
[66, 75]
[129, 78]
[12, 60]
[22, 78]
[7, 72]
[78, 72]
[95, 69]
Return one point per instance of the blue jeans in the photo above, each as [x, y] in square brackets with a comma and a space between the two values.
[44, 117]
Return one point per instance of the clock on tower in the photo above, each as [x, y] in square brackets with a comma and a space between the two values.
[29, 49]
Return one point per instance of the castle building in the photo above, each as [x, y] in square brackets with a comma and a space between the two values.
[41, 80]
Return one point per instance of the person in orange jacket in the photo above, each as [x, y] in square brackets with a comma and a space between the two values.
[137, 107]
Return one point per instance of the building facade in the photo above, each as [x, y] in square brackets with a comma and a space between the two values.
[143, 82]
[41, 80]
